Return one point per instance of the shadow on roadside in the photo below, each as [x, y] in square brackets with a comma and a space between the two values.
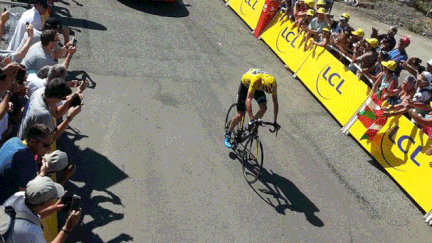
[176, 9]
[94, 174]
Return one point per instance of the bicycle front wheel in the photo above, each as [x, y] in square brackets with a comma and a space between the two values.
[253, 159]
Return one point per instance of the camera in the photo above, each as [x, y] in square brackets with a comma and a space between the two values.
[76, 101]
[74, 42]
[71, 203]
[417, 62]
[20, 78]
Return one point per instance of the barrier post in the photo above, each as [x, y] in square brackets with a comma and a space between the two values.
[267, 14]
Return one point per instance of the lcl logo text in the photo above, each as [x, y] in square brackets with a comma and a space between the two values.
[286, 35]
[400, 140]
[334, 79]
[251, 3]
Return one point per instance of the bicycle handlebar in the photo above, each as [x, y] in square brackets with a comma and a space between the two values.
[260, 122]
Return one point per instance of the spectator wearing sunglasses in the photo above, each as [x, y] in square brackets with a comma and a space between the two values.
[43, 53]
[41, 105]
[31, 16]
[52, 23]
[20, 159]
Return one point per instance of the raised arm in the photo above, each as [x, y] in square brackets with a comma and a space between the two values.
[23, 51]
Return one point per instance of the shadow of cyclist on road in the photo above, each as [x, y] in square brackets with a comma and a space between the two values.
[286, 195]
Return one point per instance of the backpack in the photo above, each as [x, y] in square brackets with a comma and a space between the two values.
[7, 221]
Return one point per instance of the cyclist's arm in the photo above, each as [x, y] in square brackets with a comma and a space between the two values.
[248, 103]
[251, 92]
[275, 106]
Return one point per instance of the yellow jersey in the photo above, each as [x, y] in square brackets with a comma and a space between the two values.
[252, 76]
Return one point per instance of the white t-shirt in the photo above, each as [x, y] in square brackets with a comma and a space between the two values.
[34, 83]
[317, 26]
[31, 16]
[37, 58]
[24, 231]
[423, 95]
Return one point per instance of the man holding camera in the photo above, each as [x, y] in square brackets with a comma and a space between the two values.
[43, 53]
[41, 198]
[43, 102]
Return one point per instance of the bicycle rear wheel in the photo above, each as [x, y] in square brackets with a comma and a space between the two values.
[253, 159]
[232, 111]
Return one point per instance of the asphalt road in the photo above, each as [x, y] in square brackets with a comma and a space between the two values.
[148, 144]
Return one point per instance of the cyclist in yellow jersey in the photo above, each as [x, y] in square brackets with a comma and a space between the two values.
[253, 85]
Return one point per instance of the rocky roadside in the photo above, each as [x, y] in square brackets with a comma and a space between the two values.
[399, 13]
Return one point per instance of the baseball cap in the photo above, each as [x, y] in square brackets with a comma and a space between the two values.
[345, 16]
[373, 42]
[405, 40]
[430, 62]
[310, 3]
[358, 32]
[43, 189]
[320, 2]
[321, 11]
[427, 75]
[310, 12]
[391, 65]
[56, 160]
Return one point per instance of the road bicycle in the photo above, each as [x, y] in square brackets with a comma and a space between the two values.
[252, 154]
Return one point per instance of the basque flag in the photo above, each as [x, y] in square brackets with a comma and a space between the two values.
[371, 116]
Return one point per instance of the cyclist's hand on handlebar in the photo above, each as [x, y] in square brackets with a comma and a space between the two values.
[276, 126]
[254, 121]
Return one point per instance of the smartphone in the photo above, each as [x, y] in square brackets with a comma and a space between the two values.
[76, 101]
[5, 9]
[20, 78]
[76, 203]
[71, 202]
[74, 42]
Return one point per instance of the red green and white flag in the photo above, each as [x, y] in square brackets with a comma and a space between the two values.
[371, 115]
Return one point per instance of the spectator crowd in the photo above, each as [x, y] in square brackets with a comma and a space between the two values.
[377, 60]
[37, 104]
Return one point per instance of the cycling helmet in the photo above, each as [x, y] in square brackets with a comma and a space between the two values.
[269, 84]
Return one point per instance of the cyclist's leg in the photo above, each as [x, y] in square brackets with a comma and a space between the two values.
[236, 120]
[241, 106]
[261, 99]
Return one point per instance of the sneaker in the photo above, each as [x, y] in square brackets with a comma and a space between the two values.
[228, 140]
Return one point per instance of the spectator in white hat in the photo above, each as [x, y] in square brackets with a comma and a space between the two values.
[40, 199]
[421, 76]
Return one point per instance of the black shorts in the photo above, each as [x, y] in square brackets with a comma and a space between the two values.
[259, 96]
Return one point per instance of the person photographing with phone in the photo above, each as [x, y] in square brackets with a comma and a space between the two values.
[60, 50]
[43, 53]
[41, 107]
[42, 197]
